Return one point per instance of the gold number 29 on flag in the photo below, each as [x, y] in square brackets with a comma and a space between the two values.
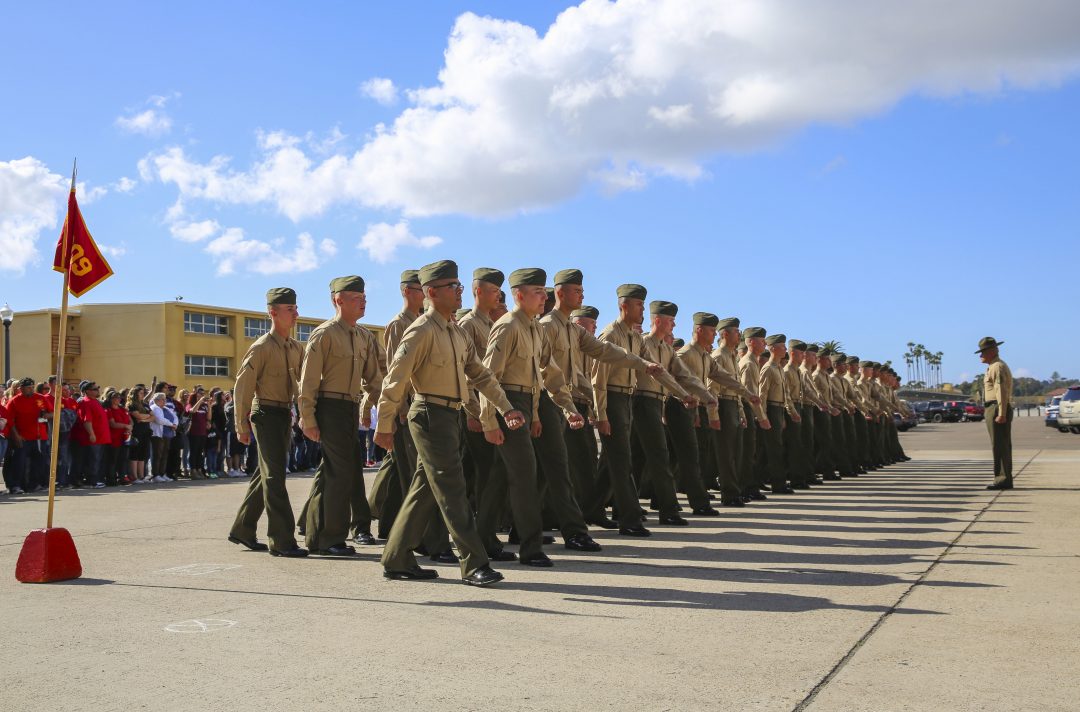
[80, 263]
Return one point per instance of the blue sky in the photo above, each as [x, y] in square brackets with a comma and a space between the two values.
[922, 190]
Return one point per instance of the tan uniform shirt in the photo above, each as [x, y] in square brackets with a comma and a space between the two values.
[574, 350]
[676, 380]
[700, 363]
[477, 327]
[998, 385]
[436, 358]
[840, 390]
[728, 361]
[343, 359]
[810, 389]
[270, 371]
[605, 376]
[822, 388]
[392, 337]
[855, 394]
[750, 374]
[794, 384]
[516, 354]
[773, 388]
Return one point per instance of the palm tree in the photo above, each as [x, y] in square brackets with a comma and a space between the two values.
[834, 346]
[937, 360]
[909, 359]
[922, 352]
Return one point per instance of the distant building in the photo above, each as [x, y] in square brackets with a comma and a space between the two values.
[123, 344]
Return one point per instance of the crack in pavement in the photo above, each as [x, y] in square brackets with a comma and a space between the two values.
[842, 663]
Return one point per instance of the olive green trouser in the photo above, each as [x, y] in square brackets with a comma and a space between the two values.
[772, 442]
[851, 444]
[693, 445]
[838, 439]
[581, 454]
[727, 448]
[748, 452]
[513, 473]
[648, 428]
[880, 437]
[552, 454]
[438, 486]
[823, 462]
[272, 427]
[1000, 444]
[616, 455]
[798, 468]
[332, 491]
[862, 439]
[478, 458]
[806, 431]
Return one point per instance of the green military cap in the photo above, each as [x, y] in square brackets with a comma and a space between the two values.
[853, 360]
[731, 321]
[461, 312]
[775, 339]
[550, 291]
[586, 312]
[812, 348]
[663, 308]
[489, 274]
[346, 284]
[838, 357]
[410, 276]
[678, 344]
[754, 332]
[705, 319]
[825, 352]
[528, 277]
[988, 342]
[631, 291]
[866, 364]
[280, 295]
[568, 276]
[796, 344]
[443, 269]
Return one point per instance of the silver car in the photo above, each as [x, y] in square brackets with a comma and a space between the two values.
[1069, 410]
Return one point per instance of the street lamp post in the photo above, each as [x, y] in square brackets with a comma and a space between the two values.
[8, 316]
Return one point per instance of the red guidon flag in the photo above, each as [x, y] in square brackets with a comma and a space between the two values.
[89, 268]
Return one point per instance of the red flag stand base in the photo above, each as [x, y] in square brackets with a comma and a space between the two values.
[48, 555]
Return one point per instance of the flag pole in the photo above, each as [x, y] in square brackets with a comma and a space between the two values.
[61, 350]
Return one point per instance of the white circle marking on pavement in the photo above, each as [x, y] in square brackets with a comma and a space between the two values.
[205, 625]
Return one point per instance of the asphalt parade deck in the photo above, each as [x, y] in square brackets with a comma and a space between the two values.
[911, 588]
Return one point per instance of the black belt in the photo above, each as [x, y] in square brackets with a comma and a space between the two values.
[779, 404]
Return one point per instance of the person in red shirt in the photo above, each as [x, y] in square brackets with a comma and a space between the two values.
[114, 459]
[90, 434]
[30, 455]
[3, 431]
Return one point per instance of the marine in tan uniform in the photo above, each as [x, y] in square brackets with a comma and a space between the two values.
[799, 462]
[560, 446]
[844, 428]
[861, 446]
[778, 406]
[439, 363]
[650, 397]
[756, 418]
[477, 322]
[695, 434]
[341, 364]
[612, 398]
[824, 421]
[515, 356]
[727, 441]
[583, 451]
[266, 385]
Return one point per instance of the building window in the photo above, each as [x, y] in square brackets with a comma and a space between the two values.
[303, 331]
[198, 323]
[254, 328]
[206, 366]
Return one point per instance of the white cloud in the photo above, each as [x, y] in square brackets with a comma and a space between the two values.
[124, 185]
[149, 122]
[30, 202]
[186, 231]
[90, 195]
[618, 93]
[112, 251]
[232, 249]
[382, 240]
[381, 90]
[1024, 373]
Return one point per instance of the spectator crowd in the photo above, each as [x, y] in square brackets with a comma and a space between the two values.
[130, 436]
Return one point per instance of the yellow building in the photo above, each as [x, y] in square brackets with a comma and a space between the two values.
[123, 344]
